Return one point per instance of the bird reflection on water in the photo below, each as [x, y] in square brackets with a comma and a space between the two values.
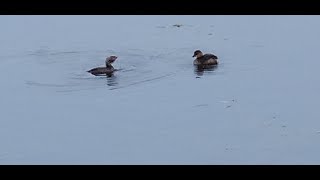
[112, 80]
[201, 69]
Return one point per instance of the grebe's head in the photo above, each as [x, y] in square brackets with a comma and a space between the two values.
[111, 59]
[197, 54]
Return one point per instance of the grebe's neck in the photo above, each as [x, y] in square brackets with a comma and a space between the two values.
[108, 65]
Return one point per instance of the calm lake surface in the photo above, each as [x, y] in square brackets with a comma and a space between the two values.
[259, 106]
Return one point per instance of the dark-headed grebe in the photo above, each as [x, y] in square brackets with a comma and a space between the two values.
[108, 70]
[204, 59]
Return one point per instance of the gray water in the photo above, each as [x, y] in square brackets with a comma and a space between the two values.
[259, 106]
